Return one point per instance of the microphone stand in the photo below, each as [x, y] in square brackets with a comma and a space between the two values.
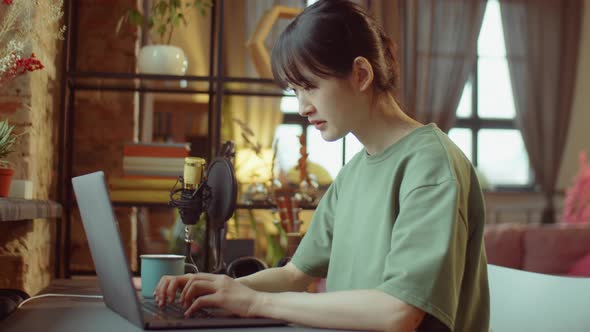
[188, 240]
[218, 249]
[196, 198]
[190, 205]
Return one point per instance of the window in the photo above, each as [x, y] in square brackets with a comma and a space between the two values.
[485, 129]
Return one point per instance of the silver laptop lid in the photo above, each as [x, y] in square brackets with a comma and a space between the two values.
[106, 247]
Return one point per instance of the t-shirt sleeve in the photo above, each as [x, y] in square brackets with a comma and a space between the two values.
[313, 253]
[425, 265]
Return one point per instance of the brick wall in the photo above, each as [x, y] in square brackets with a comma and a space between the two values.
[30, 102]
[25, 255]
[104, 120]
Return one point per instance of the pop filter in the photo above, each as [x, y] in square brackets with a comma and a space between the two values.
[223, 187]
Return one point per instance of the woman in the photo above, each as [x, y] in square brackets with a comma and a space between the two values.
[398, 235]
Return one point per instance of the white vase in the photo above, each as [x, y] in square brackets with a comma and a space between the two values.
[162, 59]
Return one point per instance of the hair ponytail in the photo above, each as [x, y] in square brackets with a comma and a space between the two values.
[391, 68]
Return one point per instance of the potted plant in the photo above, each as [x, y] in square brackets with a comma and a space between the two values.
[7, 142]
[161, 19]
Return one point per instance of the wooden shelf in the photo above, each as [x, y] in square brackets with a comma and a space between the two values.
[12, 209]
[265, 206]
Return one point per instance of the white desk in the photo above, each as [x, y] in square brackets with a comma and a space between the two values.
[90, 315]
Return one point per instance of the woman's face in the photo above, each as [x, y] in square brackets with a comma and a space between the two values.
[330, 106]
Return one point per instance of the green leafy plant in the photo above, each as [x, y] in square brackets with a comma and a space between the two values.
[164, 16]
[8, 140]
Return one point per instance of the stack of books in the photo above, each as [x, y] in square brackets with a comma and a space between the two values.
[151, 170]
[154, 159]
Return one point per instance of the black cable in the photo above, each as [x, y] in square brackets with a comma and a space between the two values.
[180, 203]
[190, 204]
[189, 253]
[202, 194]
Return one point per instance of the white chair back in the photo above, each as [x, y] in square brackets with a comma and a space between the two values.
[525, 301]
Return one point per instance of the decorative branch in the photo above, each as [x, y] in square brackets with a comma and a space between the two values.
[302, 162]
[248, 136]
[275, 150]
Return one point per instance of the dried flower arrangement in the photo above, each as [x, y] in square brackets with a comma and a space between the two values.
[19, 28]
[577, 196]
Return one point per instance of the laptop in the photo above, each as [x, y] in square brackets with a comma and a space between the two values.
[115, 282]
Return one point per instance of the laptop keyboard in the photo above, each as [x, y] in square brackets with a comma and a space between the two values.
[172, 310]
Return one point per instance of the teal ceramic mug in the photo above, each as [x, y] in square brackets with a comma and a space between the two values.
[154, 267]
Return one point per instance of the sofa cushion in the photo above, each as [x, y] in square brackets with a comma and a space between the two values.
[504, 244]
[581, 268]
[554, 249]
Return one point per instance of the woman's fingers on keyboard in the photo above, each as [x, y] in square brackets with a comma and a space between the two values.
[211, 300]
[174, 284]
[195, 289]
[193, 278]
[167, 287]
[160, 292]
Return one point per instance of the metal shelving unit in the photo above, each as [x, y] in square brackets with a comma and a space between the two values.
[215, 85]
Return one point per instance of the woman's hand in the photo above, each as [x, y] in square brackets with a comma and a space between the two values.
[165, 291]
[208, 290]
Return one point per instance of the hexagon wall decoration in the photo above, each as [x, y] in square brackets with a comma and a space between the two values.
[258, 52]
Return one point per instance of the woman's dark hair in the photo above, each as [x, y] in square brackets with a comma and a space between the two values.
[325, 39]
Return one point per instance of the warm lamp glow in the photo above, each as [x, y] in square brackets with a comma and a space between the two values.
[251, 167]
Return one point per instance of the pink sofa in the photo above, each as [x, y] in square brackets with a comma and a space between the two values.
[559, 249]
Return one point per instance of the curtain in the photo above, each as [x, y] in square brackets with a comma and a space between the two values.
[194, 41]
[542, 40]
[438, 41]
[387, 14]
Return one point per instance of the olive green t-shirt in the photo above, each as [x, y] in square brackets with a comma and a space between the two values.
[407, 221]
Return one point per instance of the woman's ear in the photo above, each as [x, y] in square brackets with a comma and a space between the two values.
[362, 73]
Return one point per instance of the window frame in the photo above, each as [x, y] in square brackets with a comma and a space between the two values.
[475, 123]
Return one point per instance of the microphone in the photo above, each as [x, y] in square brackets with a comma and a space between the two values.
[193, 172]
[193, 193]
[215, 194]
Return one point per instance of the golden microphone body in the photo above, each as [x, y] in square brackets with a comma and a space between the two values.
[193, 172]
